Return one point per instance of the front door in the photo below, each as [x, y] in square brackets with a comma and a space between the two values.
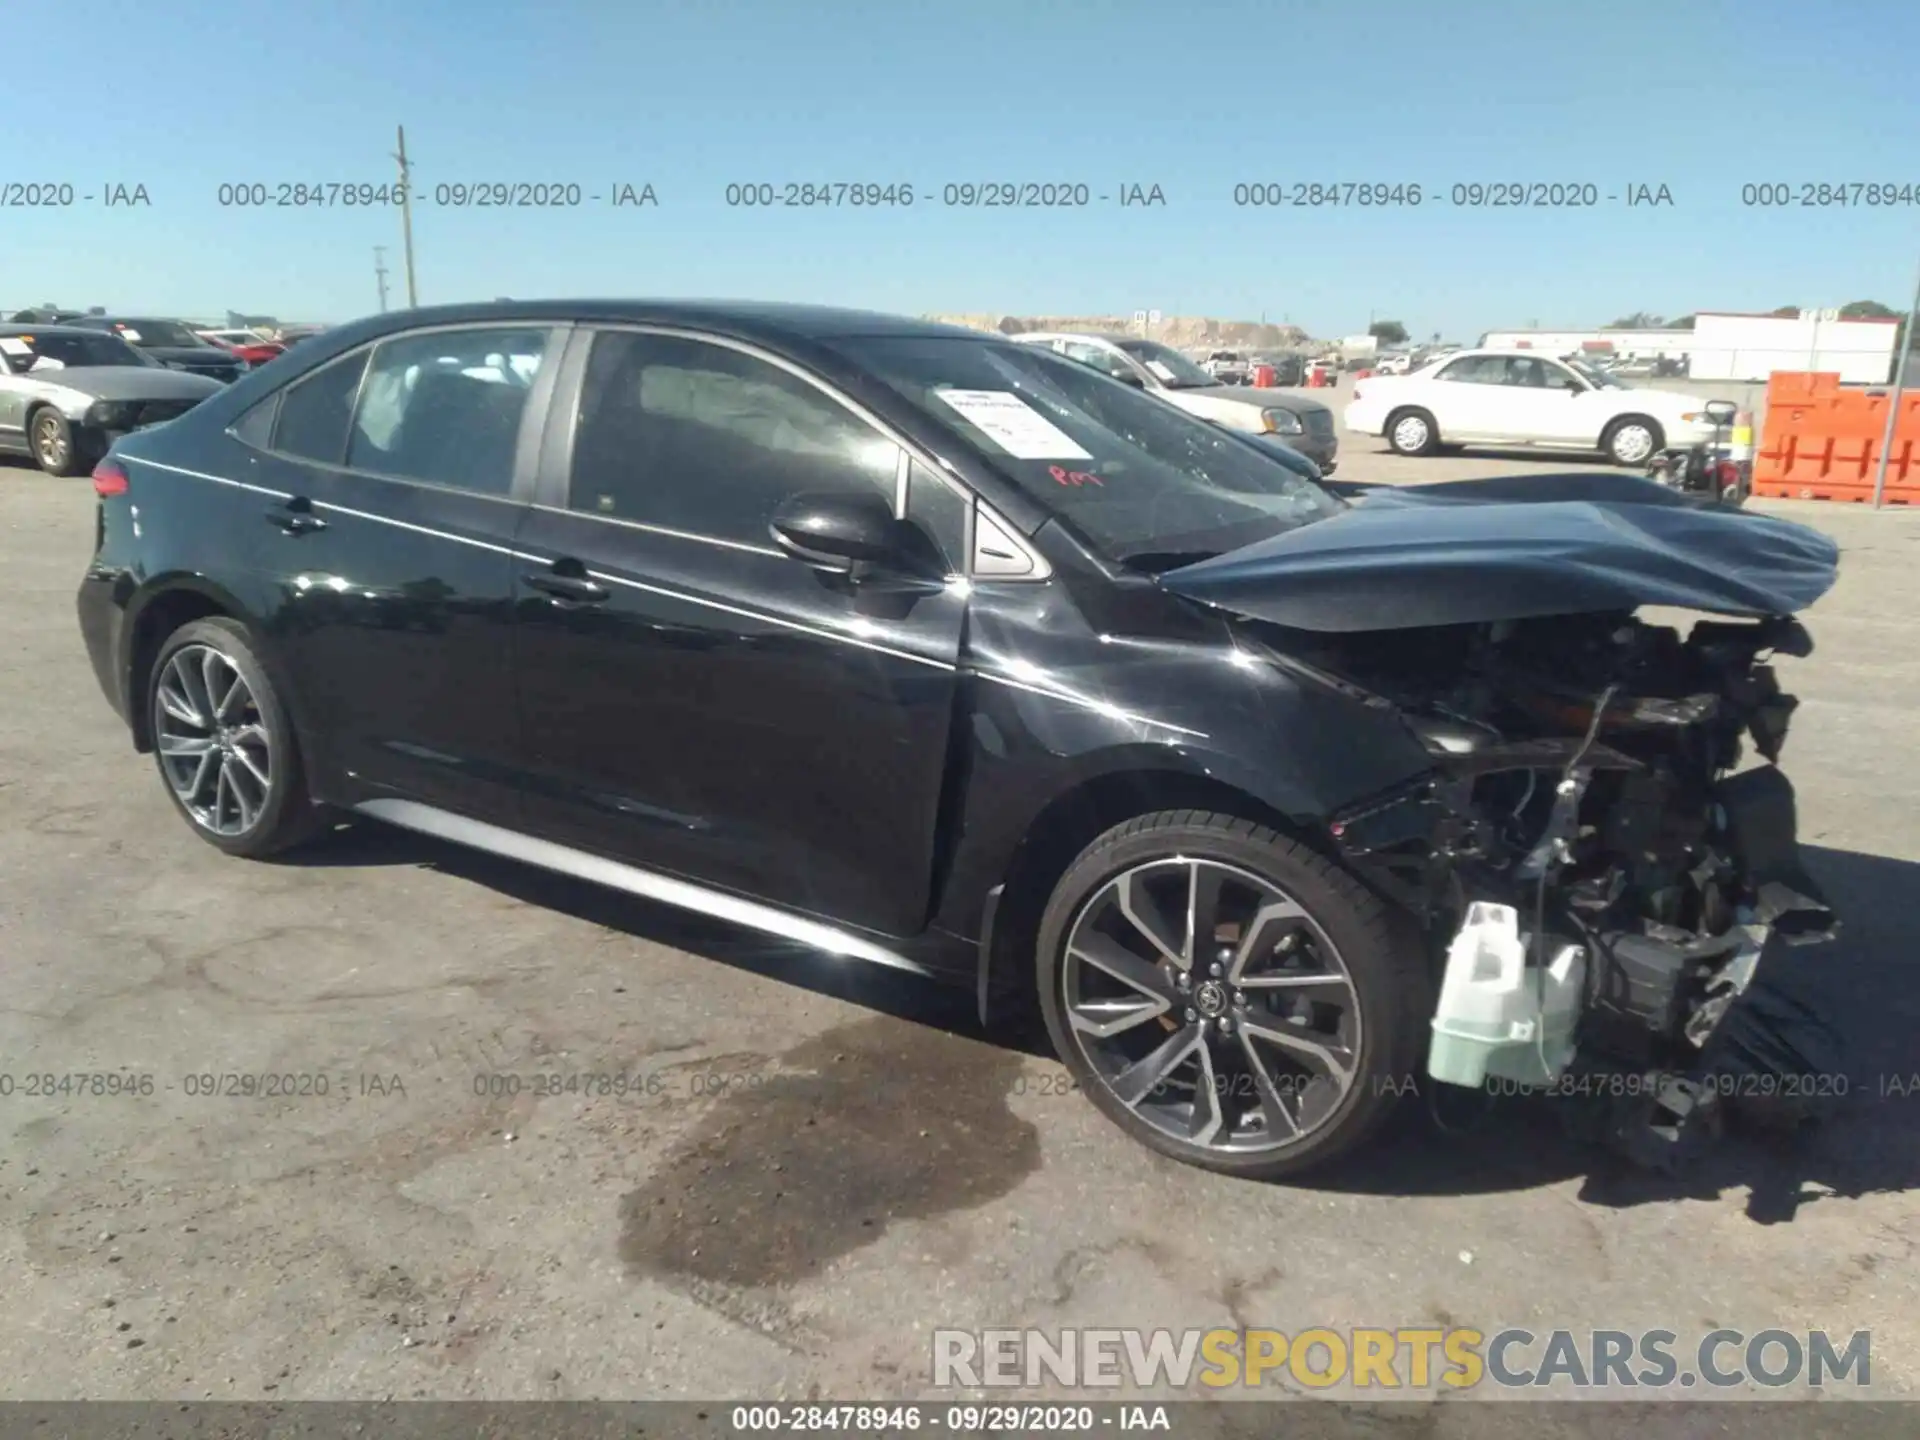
[393, 557]
[1541, 403]
[695, 699]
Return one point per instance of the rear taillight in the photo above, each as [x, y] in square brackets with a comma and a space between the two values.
[109, 478]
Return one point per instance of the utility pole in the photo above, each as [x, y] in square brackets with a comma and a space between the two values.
[406, 215]
[380, 274]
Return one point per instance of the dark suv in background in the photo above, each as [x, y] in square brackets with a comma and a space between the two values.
[955, 655]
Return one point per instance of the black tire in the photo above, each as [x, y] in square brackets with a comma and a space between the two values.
[54, 446]
[288, 816]
[1378, 948]
[1412, 432]
[1643, 432]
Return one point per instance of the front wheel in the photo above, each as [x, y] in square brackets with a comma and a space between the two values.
[1632, 440]
[1228, 996]
[55, 448]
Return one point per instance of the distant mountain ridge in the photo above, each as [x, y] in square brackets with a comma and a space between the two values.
[1184, 332]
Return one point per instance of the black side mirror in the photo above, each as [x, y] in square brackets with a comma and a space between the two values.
[840, 534]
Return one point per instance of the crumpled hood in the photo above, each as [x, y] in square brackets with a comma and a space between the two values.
[1514, 548]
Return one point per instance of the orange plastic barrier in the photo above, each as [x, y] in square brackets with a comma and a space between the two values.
[1820, 442]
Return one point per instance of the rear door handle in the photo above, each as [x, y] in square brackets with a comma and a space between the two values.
[575, 588]
[296, 517]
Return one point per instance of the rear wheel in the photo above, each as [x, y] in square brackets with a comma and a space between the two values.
[224, 744]
[1228, 996]
[1412, 432]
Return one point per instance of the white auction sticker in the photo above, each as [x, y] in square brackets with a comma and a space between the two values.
[11, 346]
[1014, 425]
[1162, 369]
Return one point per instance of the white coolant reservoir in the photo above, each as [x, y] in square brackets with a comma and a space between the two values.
[1491, 1020]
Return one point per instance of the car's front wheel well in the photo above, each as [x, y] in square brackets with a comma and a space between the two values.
[158, 619]
[1065, 827]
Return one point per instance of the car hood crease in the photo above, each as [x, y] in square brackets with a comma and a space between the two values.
[1396, 560]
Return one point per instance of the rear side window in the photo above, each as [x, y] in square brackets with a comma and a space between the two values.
[316, 410]
[446, 407]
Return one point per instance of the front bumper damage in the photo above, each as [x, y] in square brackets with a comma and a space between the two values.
[1672, 886]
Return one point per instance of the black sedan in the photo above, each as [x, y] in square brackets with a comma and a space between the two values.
[949, 654]
[172, 343]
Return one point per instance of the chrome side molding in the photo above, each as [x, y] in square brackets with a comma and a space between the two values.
[682, 894]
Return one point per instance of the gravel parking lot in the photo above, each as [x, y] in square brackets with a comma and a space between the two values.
[822, 1163]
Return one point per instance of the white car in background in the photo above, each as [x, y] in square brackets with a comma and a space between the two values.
[1300, 422]
[1516, 398]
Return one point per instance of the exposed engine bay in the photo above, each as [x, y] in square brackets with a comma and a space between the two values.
[1589, 813]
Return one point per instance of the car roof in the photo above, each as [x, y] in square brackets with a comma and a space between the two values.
[747, 319]
[20, 327]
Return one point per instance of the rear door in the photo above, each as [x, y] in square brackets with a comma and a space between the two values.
[407, 466]
[1464, 396]
[694, 699]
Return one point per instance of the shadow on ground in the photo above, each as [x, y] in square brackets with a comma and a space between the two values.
[1866, 1141]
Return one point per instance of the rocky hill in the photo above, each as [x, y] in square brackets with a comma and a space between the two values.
[1184, 332]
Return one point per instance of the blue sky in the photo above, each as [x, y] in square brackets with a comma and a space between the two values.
[1194, 96]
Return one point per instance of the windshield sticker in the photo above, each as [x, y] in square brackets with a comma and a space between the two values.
[132, 337]
[47, 362]
[11, 346]
[1162, 369]
[1013, 425]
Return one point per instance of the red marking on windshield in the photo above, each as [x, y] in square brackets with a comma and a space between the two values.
[1074, 477]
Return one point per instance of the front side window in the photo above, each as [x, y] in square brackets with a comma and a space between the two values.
[697, 437]
[1145, 482]
[446, 407]
[1169, 366]
[316, 410]
[1098, 356]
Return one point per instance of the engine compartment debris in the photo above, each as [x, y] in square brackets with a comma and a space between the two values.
[1605, 856]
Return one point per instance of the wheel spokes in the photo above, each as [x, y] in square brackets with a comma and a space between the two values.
[1212, 1005]
[1334, 1059]
[1145, 1075]
[214, 749]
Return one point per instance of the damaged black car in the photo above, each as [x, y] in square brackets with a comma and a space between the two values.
[1274, 798]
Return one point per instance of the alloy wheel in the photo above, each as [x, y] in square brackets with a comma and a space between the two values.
[50, 443]
[1212, 1005]
[213, 742]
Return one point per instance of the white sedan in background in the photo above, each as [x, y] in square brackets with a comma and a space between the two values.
[1510, 398]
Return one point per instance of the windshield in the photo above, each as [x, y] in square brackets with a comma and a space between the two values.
[76, 352]
[1169, 366]
[1144, 482]
[1594, 375]
[161, 332]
